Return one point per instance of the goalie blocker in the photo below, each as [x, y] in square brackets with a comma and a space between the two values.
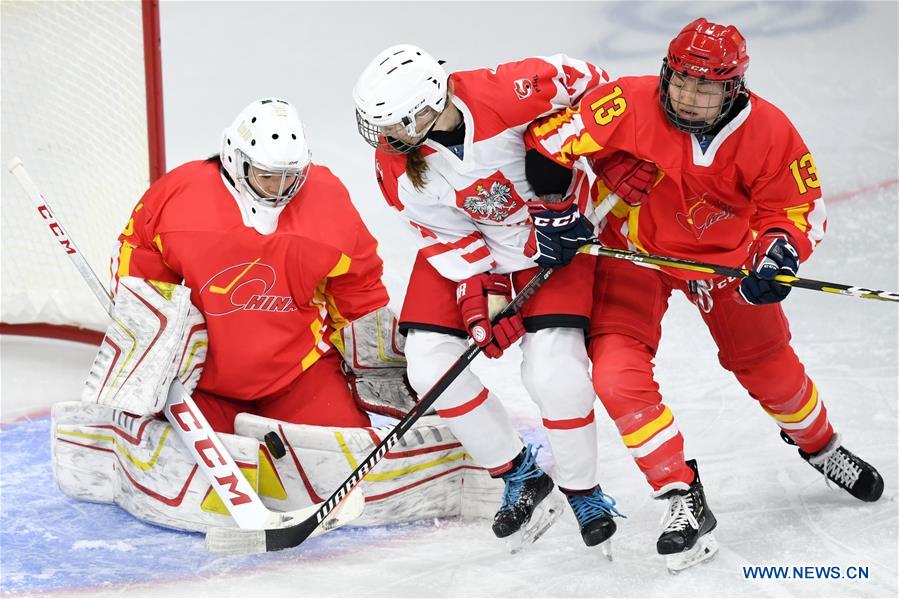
[156, 335]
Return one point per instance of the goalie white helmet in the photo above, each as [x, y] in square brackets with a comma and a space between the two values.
[266, 159]
[398, 98]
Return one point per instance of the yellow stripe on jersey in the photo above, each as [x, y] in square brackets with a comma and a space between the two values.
[802, 413]
[125, 259]
[796, 214]
[576, 147]
[310, 359]
[342, 266]
[649, 429]
[633, 228]
[129, 228]
[554, 122]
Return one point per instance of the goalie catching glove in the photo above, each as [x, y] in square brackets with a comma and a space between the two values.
[156, 335]
[375, 365]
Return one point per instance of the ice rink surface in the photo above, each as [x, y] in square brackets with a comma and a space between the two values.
[832, 67]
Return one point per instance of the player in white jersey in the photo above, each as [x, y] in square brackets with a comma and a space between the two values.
[450, 158]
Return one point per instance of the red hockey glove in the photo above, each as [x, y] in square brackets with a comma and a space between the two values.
[480, 298]
[773, 255]
[630, 178]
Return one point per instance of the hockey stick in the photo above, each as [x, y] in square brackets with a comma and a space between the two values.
[596, 249]
[186, 419]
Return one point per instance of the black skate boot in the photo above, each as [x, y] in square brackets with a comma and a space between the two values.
[686, 537]
[594, 511]
[847, 470]
[529, 504]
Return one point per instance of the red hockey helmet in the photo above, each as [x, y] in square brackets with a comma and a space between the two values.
[708, 52]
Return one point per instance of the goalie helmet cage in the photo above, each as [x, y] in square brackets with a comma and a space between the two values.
[82, 107]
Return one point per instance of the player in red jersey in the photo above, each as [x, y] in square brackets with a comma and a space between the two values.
[706, 170]
[276, 258]
[450, 160]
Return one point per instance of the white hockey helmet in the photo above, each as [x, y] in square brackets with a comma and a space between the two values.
[266, 159]
[402, 91]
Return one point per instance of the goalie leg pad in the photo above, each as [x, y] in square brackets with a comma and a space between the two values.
[427, 474]
[156, 335]
[105, 455]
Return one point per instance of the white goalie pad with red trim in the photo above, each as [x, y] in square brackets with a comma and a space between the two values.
[156, 334]
[427, 474]
[102, 454]
[372, 351]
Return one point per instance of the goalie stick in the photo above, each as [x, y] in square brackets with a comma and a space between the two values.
[191, 426]
[596, 249]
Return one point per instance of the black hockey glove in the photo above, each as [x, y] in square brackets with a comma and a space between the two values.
[774, 255]
[559, 230]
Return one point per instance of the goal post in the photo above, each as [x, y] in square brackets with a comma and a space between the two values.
[82, 107]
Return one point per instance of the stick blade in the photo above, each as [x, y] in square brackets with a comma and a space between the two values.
[234, 541]
[237, 541]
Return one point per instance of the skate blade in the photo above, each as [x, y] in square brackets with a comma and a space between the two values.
[546, 512]
[606, 549]
[705, 549]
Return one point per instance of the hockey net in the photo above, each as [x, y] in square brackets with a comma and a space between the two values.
[82, 108]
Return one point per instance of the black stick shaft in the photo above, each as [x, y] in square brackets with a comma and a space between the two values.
[738, 273]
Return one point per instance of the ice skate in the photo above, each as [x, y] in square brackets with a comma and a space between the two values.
[687, 526]
[594, 513]
[842, 467]
[530, 503]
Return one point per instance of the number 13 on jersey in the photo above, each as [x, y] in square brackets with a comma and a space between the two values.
[608, 107]
[805, 173]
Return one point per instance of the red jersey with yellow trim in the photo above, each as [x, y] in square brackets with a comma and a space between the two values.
[270, 301]
[757, 174]
[471, 216]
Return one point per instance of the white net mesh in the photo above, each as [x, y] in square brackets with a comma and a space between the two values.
[74, 110]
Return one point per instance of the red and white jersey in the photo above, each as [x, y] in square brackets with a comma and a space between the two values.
[757, 174]
[270, 301]
[471, 216]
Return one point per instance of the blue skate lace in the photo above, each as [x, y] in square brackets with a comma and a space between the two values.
[589, 507]
[514, 480]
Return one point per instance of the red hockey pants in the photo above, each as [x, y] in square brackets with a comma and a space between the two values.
[753, 343]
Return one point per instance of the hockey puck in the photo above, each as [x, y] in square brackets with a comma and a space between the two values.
[275, 445]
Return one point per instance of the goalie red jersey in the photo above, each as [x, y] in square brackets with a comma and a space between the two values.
[270, 301]
[708, 203]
